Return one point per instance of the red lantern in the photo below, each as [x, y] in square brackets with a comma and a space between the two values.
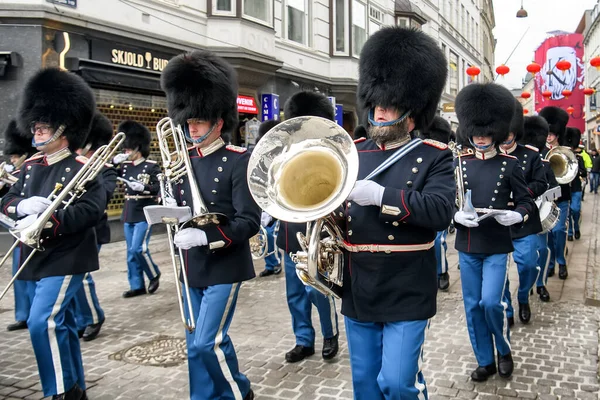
[589, 91]
[570, 110]
[595, 62]
[547, 94]
[525, 95]
[534, 68]
[502, 70]
[473, 71]
[538, 110]
[566, 93]
[563, 65]
[525, 111]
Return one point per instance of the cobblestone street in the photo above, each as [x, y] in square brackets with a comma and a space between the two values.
[140, 351]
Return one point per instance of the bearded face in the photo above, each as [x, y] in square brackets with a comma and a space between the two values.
[386, 134]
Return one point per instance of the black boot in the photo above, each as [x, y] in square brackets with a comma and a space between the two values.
[330, 348]
[299, 353]
[92, 331]
[133, 293]
[524, 313]
[481, 374]
[562, 272]
[444, 281]
[154, 284]
[511, 321]
[550, 272]
[75, 393]
[17, 326]
[505, 365]
[544, 295]
[250, 395]
[577, 235]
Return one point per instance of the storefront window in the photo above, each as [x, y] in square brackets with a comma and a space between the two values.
[297, 20]
[359, 27]
[259, 10]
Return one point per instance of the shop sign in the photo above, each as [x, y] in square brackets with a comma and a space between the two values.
[68, 3]
[448, 107]
[270, 107]
[247, 105]
[339, 114]
[129, 56]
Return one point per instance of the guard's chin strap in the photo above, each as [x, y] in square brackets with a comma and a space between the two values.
[480, 148]
[54, 137]
[20, 161]
[130, 155]
[387, 123]
[201, 139]
[510, 142]
[86, 149]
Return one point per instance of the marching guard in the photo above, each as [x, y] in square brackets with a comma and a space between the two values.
[57, 109]
[525, 239]
[557, 119]
[140, 176]
[485, 112]
[90, 315]
[18, 148]
[389, 290]
[572, 138]
[300, 297]
[201, 93]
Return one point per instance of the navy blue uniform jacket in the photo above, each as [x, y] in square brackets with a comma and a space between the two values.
[109, 179]
[221, 175]
[418, 201]
[133, 211]
[69, 237]
[565, 189]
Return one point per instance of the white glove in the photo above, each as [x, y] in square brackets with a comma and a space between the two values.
[466, 219]
[32, 205]
[169, 202]
[265, 219]
[9, 168]
[119, 158]
[509, 218]
[2, 184]
[135, 186]
[25, 222]
[190, 237]
[367, 193]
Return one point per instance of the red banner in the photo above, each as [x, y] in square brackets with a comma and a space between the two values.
[551, 79]
[246, 104]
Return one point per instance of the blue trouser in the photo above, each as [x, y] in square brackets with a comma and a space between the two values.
[87, 305]
[53, 332]
[386, 359]
[483, 278]
[300, 299]
[23, 289]
[273, 260]
[212, 363]
[138, 255]
[594, 181]
[543, 258]
[575, 214]
[526, 258]
[557, 237]
[441, 247]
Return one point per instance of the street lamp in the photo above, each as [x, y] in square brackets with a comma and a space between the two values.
[522, 13]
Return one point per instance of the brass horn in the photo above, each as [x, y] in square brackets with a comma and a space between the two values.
[563, 163]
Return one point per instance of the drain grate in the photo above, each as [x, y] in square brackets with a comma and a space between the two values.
[161, 352]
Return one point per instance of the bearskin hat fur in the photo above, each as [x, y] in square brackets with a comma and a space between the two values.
[516, 124]
[557, 119]
[101, 132]
[571, 137]
[265, 127]
[15, 142]
[404, 69]
[438, 130]
[58, 98]
[309, 103]
[199, 84]
[359, 132]
[137, 136]
[484, 110]
[535, 132]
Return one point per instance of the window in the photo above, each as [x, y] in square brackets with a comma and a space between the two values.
[359, 27]
[463, 26]
[259, 10]
[340, 32]
[450, 12]
[297, 21]
[453, 73]
[375, 20]
[223, 7]
[403, 22]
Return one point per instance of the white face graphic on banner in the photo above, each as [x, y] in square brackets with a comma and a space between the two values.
[555, 80]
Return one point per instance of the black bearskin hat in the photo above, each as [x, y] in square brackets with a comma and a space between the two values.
[571, 137]
[309, 103]
[58, 98]
[438, 130]
[535, 132]
[101, 132]
[360, 132]
[199, 84]
[16, 143]
[404, 69]
[557, 119]
[137, 136]
[484, 109]
[265, 127]
[516, 124]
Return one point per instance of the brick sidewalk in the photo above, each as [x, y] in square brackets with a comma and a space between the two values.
[556, 355]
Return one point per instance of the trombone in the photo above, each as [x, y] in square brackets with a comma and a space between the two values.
[30, 235]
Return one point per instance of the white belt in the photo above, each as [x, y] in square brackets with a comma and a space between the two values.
[138, 197]
[386, 248]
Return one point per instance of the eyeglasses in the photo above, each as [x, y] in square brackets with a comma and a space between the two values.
[44, 129]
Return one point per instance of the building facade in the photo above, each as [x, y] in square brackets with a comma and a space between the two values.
[590, 28]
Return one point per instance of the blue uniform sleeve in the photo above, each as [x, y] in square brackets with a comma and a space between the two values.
[538, 184]
[109, 180]
[432, 207]
[11, 200]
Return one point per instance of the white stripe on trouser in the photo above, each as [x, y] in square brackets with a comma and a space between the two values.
[237, 393]
[275, 248]
[420, 386]
[334, 327]
[52, 339]
[443, 254]
[151, 266]
[88, 298]
[505, 305]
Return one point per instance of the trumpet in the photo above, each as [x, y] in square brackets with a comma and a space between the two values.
[31, 235]
[258, 244]
[6, 177]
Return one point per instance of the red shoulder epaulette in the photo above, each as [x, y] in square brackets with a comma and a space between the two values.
[236, 149]
[507, 155]
[360, 139]
[82, 159]
[530, 147]
[436, 144]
